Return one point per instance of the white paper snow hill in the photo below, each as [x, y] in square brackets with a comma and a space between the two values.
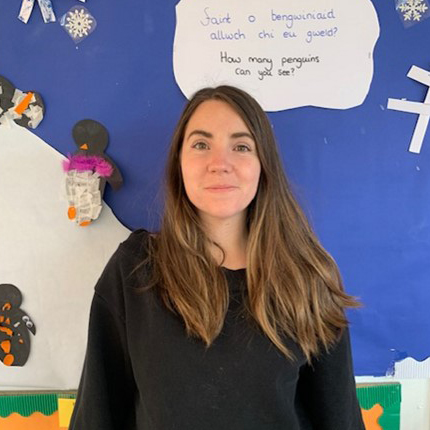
[53, 264]
[411, 368]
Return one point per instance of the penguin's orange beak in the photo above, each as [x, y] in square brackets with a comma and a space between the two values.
[84, 146]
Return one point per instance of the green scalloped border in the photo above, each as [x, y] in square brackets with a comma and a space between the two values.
[389, 396]
[26, 404]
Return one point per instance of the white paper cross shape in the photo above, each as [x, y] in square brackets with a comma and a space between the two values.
[422, 109]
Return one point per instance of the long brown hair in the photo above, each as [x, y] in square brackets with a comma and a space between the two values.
[293, 285]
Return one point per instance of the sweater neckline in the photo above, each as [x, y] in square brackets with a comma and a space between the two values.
[236, 279]
[242, 269]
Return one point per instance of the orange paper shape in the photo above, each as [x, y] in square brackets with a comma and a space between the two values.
[24, 104]
[36, 421]
[71, 213]
[371, 417]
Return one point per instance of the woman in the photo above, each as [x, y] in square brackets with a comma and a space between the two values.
[232, 316]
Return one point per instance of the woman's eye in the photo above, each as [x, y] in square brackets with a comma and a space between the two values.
[243, 148]
[200, 145]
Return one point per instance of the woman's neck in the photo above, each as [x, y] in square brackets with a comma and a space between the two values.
[232, 237]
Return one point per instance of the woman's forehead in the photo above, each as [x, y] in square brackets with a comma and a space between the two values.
[215, 114]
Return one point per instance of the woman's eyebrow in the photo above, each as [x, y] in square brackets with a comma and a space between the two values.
[210, 135]
[201, 133]
[241, 134]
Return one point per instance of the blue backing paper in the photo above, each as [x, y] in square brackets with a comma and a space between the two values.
[366, 195]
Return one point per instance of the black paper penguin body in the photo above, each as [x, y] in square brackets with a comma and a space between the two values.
[24, 108]
[88, 170]
[14, 327]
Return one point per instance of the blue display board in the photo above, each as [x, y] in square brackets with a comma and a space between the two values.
[367, 197]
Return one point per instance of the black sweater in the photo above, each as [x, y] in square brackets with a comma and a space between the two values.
[142, 372]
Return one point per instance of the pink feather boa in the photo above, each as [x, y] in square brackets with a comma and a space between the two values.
[83, 163]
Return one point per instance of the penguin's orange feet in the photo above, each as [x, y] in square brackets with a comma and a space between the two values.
[8, 360]
[85, 223]
[71, 213]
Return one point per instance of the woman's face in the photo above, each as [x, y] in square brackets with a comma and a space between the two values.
[219, 162]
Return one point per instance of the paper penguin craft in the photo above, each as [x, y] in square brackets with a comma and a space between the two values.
[24, 108]
[14, 327]
[88, 170]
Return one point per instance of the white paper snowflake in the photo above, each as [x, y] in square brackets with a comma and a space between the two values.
[79, 23]
[413, 10]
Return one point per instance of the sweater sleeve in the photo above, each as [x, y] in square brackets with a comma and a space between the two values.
[326, 390]
[107, 390]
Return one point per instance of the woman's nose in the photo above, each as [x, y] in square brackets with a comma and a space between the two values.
[220, 160]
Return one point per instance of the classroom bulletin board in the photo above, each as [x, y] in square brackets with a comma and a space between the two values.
[335, 81]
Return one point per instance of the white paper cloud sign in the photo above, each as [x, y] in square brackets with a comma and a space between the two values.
[285, 53]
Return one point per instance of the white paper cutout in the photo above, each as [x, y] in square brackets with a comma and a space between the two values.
[46, 9]
[35, 113]
[26, 10]
[422, 109]
[407, 106]
[286, 54]
[83, 194]
[411, 368]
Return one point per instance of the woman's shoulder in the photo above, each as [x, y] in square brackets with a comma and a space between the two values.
[124, 269]
[137, 244]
